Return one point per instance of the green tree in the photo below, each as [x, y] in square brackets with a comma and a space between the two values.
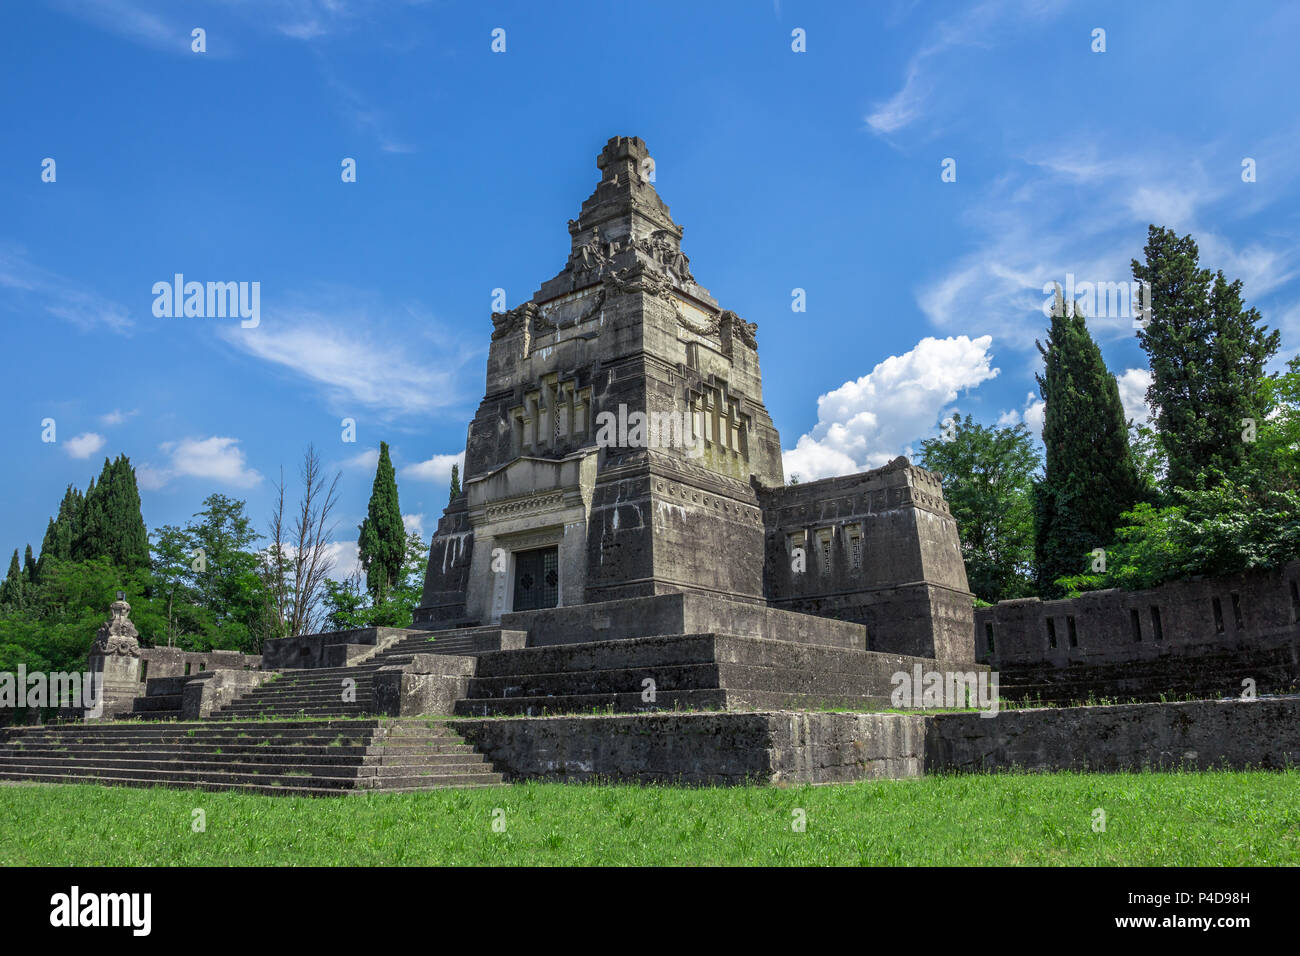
[987, 478]
[111, 524]
[1250, 519]
[350, 607]
[1207, 354]
[29, 568]
[1089, 476]
[382, 542]
[11, 591]
[61, 531]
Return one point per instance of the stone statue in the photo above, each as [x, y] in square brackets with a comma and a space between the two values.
[117, 636]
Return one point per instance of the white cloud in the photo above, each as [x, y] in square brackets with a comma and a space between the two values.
[57, 295]
[1260, 269]
[1030, 415]
[130, 20]
[215, 458]
[974, 25]
[84, 445]
[436, 469]
[1133, 384]
[367, 460]
[868, 422]
[117, 416]
[353, 362]
[414, 524]
[1085, 214]
[903, 107]
[346, 559]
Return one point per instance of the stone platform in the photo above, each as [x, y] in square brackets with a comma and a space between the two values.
[303, 758]
[335, 757]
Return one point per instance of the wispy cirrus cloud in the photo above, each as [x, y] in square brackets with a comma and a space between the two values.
[31, 287]
[980, 25]
[1086, 213]
[351, 355]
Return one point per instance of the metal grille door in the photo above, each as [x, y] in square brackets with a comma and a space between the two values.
[537, 579]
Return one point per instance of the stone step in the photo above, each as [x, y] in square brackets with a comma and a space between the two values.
[307, 697]
[352, 769]
[371, 722]
[433, 748]
[590, 703]
[269, 711]
[683, 649]
[677, 677]
[671, 677]
[427, 781]
[295, 785]
[158, 702]
[152, 715]
[299, 790]
[293, 757]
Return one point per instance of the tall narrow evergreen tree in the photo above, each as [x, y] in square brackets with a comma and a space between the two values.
[455, 482]
[29, 568]
[1089, 475]
[11, 591]
[88, 538]
[111, 525]
[61, 531]
[382, 542]
[1207, 355]
[47, 548]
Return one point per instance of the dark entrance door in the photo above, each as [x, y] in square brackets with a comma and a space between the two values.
[537, 579]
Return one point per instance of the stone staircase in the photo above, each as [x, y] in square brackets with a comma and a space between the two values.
[308, 758]
[689, 671]
[320, 691]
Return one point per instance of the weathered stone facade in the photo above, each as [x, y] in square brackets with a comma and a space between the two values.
[1202, 637]
[693, 503]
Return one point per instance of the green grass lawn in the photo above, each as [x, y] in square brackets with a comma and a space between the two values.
[1215, 818]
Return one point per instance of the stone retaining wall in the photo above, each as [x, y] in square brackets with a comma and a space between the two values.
[798, 747]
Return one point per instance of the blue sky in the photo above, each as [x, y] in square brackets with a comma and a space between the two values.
[816, 170]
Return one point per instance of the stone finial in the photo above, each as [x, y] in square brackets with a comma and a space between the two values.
[117, 635]
[621, 155]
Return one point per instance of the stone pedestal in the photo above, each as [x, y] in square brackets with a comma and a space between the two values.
[115, 664]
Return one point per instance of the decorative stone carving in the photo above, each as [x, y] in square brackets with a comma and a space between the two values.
[117, 636]
[731, 324]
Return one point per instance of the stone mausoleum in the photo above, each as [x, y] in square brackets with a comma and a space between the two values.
[627, 569]
[557, 520]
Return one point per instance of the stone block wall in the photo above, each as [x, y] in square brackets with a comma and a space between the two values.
[1206, 735]
[881, 549]
[1255, 610]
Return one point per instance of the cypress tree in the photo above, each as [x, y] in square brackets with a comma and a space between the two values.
[47, 548]
[1207, 355]
[68, 524]
[29, 567]
[110, 523]
[129, 541]
[382, 543]
[11, 591]
[455, 483]
[1089, 475]
[88, 536]
[61, 531]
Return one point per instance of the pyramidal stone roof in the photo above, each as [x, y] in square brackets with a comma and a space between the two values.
[623, 225]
